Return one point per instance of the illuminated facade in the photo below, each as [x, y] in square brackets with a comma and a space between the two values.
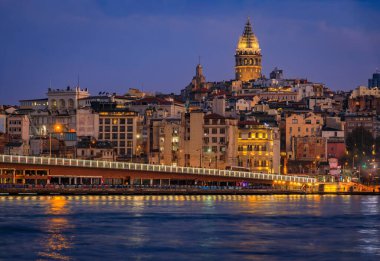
[258, 147]
[248, 56]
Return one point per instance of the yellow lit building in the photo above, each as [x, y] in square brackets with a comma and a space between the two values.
[248, 56]
[258, 147]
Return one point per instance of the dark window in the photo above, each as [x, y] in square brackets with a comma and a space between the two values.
[122, 121]
[130, 128]
[114, 128]
[129, 121]
[107, 121]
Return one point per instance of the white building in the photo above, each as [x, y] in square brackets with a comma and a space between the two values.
[66, 99]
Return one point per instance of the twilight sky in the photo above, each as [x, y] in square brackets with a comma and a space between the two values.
[155, 44]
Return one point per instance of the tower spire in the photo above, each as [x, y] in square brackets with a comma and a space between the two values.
[248, 29]
[248, 55]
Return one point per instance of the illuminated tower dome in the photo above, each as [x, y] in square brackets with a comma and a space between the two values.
[248, 56]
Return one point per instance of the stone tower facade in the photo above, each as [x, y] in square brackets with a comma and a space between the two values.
[248, 56]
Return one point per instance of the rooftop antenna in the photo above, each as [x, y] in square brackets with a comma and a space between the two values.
[199, 59]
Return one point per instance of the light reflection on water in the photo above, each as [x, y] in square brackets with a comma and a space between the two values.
[198, 227]
[57, 223]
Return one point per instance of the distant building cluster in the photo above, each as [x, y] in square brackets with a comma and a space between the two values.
[267, 125]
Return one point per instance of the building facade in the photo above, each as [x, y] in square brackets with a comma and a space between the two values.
[301, 125]
[118, 125]
[258, 147]
[248, 56]
[219, 141]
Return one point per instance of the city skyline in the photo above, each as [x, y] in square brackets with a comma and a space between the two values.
[155, 46]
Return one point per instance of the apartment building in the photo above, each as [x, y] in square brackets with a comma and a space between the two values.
[118, 125]
[258, 147]
[301, 125]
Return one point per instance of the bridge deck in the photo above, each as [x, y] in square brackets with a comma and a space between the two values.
[149, 167]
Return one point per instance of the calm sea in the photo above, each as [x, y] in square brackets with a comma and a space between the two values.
[190, 228]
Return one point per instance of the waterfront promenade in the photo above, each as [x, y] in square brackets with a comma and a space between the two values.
[25, 190]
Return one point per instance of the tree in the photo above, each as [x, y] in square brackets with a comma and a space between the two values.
[359, 142]
[377, 145]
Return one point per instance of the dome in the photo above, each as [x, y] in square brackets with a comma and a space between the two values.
[248, 41]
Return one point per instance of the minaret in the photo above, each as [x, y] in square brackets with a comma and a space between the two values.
[248, 56]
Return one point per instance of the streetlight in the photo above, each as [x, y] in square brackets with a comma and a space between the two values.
[56, 128]
[200, 156]
[353, 160]
[209, 155]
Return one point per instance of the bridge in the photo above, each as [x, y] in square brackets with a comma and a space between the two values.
[45, 170]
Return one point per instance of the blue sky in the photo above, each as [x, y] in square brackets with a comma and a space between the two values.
[154, 45]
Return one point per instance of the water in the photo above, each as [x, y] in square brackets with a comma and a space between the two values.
[190, 227]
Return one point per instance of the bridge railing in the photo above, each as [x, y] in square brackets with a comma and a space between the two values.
[149, 167]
